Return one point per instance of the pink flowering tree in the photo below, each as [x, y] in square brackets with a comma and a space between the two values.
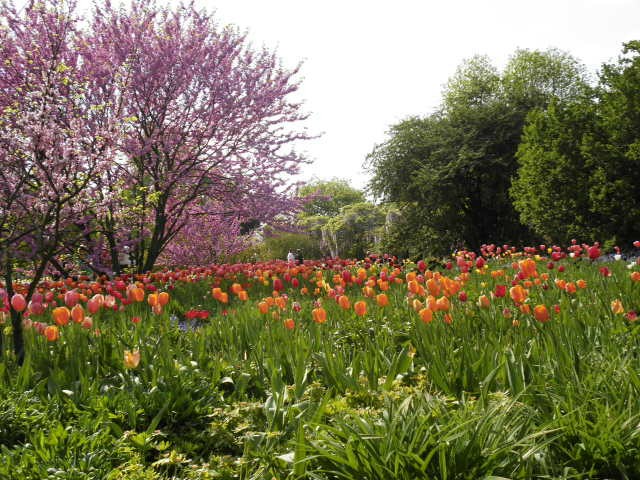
[209, 126]
[55, 139]
[207, 237]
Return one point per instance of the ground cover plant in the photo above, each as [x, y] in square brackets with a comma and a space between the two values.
[516, 364]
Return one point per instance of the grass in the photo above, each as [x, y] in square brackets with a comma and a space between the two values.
[378, 396]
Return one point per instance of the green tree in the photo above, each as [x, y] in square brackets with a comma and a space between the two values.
[533, 78]
[551, 188]
[579, 162]
[324, 201]
[336, 220]
[355, 231]
[327, 197]
[450, 173]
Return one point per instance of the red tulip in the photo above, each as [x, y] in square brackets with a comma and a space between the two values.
[36, 308]
[71, 298]
[18, 302]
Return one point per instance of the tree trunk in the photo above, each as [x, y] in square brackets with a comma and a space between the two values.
[18, 339]
[156, 243]
[16, 317]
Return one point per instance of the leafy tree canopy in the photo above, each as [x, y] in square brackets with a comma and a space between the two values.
[450, 172]
[579, 161]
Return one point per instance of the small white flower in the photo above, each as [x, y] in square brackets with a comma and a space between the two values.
[617, 257]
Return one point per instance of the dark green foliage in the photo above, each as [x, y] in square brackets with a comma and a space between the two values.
[580, 161]
[450, 173]
[335, 221]
[280, 244]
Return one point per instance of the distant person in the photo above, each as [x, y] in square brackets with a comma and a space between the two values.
[291, 258]
[299, 258]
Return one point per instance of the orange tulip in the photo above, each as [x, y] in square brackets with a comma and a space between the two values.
[152, 299]
[243, 295]
[635, 276]
[451, 287]
[51, 333]
[61, 315]
[263, 307]
[497, 273]
[136, 294]
[281, 303]
[163, 298]
[432, 303]
[426, 315]
[360, 308]
[518, 294]
[581, 284]
[540, 313]
[77, 313]
[416, 304]
[528, 267]
[319, 315]
[362, 273]
[483, 301]
[434, 287]
[289, 324]
[525, 308]
[443, 304]
[382, 300]
[344, 302]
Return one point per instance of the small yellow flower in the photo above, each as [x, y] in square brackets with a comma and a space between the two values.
[616, 307]
[131, 359]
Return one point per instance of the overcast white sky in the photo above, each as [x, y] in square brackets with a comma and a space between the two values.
[369, 64]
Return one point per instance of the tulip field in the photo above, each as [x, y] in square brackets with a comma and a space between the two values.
[506, 363]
